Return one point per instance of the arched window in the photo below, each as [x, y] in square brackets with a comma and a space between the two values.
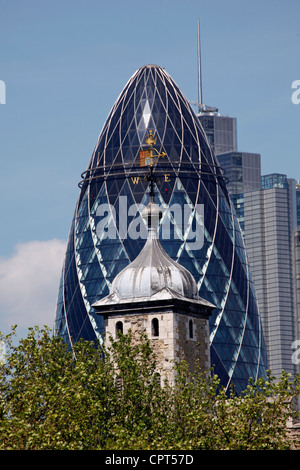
[119, 327]
[191, 329]
[155, 327]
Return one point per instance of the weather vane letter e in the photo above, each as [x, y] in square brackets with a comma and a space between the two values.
[2, 92]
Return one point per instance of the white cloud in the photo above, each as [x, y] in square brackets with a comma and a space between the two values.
[29, 281]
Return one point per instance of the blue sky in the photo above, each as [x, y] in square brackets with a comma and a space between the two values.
[64, 64]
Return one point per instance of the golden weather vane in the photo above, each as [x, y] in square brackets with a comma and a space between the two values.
[147, 157]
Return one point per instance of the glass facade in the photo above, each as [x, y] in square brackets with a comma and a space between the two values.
[187, 176]
[243, 172]
[274, 180]
[221, 132]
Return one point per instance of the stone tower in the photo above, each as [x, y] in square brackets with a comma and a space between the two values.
[159, 297]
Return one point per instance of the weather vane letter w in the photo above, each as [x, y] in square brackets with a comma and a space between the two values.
[2, 92]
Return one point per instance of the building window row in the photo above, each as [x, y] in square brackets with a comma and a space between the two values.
[155, 328]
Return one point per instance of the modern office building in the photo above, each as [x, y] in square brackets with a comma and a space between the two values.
[296, 345]
[243, 171]
[269, 224]
[297, 273]
[298, 204]
[106, 232]
[221, 131]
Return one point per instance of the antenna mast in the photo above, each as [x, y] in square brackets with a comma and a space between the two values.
[199, 70]
[202, 108]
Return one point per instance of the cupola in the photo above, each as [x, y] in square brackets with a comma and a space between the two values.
[153, 270]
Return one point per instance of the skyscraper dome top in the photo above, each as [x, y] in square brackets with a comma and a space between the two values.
[153, 269]
[151, 100]
[151, 65]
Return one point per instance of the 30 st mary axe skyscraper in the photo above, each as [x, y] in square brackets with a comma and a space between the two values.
[101, 241]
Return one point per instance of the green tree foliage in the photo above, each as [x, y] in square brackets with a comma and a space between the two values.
[51, 398]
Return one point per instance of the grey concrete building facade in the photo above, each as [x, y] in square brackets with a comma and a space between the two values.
[296, 345]
[269, 232]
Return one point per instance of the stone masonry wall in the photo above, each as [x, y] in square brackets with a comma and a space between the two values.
[173, 342]
[195, 349]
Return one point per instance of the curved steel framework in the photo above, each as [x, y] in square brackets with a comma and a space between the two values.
[179, 169]
[188, 175]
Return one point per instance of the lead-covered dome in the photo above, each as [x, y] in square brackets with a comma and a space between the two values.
[153, 270]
